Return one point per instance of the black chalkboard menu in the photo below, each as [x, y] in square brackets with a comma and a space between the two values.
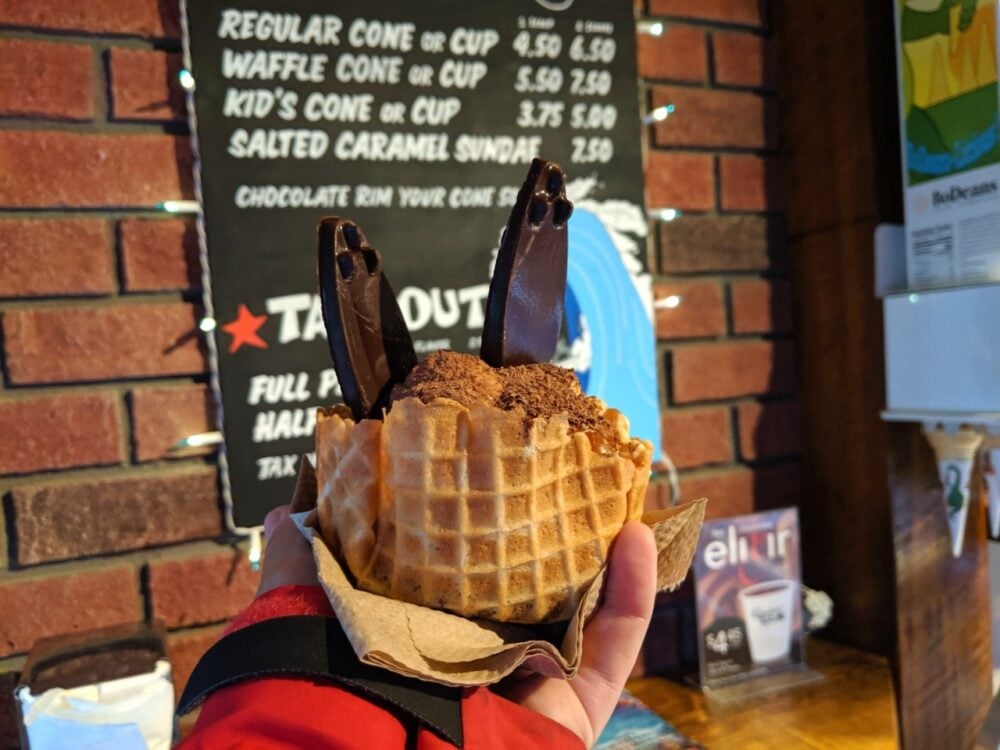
[418, 121]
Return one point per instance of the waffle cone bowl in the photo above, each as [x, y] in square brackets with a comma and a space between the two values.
[473, 511]
[449, 649]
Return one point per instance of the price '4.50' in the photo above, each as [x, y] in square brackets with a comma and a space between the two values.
[543, 44]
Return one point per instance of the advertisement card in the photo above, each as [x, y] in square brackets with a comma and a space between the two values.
[950, 133]
[748, 593]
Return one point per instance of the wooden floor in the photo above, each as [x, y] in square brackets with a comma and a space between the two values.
[852, 707]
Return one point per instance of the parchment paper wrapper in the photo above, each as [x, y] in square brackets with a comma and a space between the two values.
[440, 647]
[955, 454]
[991, 475]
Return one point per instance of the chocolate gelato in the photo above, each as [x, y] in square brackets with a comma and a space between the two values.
[539, 390]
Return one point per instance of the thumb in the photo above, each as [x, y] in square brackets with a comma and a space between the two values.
[613, 637]
[275, 517]
[288, 557]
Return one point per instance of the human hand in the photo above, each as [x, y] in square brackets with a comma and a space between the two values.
[288, 558]
[611, 643]
[611, 640]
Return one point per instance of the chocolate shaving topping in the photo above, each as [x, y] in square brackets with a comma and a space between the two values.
[369, 341]
[538, 390]
[525, 304]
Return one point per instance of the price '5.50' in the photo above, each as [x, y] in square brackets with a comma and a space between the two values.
[545, 79]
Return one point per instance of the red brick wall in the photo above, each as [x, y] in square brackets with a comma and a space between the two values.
[103, 368]
[730, 419]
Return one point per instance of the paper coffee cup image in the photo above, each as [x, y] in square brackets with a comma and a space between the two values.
[767, 609]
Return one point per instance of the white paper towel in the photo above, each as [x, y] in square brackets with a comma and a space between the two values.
[133, 713]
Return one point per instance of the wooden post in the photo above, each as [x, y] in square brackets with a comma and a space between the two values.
[874, 529]
[943, 665]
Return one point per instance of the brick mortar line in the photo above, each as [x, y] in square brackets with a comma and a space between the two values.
[685, 408]
[156, 469]
[699, 339]
[124, 381]
[6, 532]
[31, 124]
[763, 399]
[767, 462]
[93, 302]
[221, 541]
[767, 214]
[15, 481]
[762, 92]
[13, 302]
[763, 30]
[63, 568]
[116, 258]
[727, 307]
[136, 560]
[28, 392]
[710, 213]
[717, 150]
[126, 440]
[790, 395]
[717, 183]
[734, 434]
[721, 276]
[705, 465]
[132, 41]
[194, 629]
[827, 228]
[102, 85]
[699, 472]
[740, 338]
[111, 213]
[662, 382]
[732, 275]
[710, 51]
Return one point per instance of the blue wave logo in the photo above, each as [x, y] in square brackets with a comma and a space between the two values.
[603, 306]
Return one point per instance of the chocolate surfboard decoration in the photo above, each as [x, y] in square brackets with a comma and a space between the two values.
[527, 294]
[369, 341]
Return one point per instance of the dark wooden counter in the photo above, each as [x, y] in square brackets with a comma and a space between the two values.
[852, 707]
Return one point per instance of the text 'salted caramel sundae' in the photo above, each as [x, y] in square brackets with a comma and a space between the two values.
[491, 487]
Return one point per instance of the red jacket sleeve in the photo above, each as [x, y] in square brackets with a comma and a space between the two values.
[289, 712]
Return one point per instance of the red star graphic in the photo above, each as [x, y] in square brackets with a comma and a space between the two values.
[244, 329]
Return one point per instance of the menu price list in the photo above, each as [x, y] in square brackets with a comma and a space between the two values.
[411, 83]
[418, 122]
